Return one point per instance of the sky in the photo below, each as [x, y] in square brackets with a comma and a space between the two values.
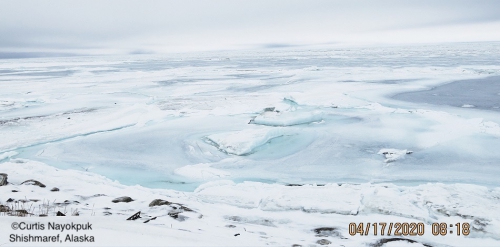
[151, 26]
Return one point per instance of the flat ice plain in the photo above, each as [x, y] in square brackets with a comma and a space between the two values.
[393, 134]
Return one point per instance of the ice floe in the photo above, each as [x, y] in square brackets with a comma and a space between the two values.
[392, 154]
[287, 118]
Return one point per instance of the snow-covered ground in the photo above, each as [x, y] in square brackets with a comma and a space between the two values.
[262, 214]
[270, 145]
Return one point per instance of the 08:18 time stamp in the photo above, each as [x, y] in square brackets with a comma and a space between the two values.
[407, 229]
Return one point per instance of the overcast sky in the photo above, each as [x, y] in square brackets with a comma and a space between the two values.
[112, 26]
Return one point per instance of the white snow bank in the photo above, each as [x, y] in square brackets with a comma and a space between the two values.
[244, 141]
[262, 214]
[213, 184]
[424, 202]
[331, 198]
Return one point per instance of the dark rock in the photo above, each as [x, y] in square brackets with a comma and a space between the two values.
[60, 214]
[89, 197]
[159, 202]
[54, 189]
[33, 182]
[237, 234]
[65, 203]
[176, 206]
[15, 191]
[294, 185]
[10, 200]
[135, 216]
[177, 216]
[327, 232]
[21, 212]
[154, 218]
[4, 209]
[107, 213]
[258, 221]
[122, 199]
[323, 242]
[42, 215]
[383, 241]
[479, 224]
[296, 245]
[235, 218]
[3, 179]
[174, 215]
[186, 209]
[231, 226]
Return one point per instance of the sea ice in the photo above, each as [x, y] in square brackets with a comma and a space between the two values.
[329, 117]
[287, 118]
[244, 141]
[392, 155]
[201, 171]
[7, 155]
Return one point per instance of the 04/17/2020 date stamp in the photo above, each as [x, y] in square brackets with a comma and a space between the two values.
[407, 229]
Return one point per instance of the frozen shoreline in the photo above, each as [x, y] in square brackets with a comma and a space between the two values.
[261, 214]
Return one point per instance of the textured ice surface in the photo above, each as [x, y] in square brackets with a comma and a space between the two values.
[270, 145]
[287, 116]
[201, 171]
[7, 155]
[288, 113]
[481, 93]
[244, 142]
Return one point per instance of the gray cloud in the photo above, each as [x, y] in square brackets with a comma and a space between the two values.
[114, 26]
